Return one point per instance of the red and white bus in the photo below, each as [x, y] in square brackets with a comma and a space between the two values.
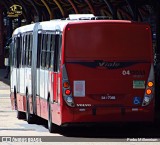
[83, 71]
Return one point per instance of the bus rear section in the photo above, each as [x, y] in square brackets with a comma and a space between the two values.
[109, 66]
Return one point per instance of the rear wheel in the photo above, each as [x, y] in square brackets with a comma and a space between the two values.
[15, 99]
[51, 126]
[29, 117]
[20, 115]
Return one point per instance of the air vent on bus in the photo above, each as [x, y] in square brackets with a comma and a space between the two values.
[86, 17]
[101, 18]
[80, 16]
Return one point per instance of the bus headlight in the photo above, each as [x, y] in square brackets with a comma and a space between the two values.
[66, 88]
[69, 99]
[146, 99]
[149, 91]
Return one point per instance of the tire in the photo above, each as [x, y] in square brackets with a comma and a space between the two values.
[20, 115]
[15, 99]
[29, 117]
[53, 128]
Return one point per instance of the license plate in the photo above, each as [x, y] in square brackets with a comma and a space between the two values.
[108, 97]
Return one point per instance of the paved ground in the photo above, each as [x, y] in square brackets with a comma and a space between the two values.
[9, 124]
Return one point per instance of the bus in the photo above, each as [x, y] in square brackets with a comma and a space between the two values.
[83, 71]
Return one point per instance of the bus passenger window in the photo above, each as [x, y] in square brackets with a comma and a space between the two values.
[39, 49]
[43, 51]
[14, 52]
[52, 51]
[48, 52]
[26, 50]
[30, 50]
[23, 52]
[57, 52]
[20, 53]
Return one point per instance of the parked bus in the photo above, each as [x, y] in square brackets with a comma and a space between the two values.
[78, 71]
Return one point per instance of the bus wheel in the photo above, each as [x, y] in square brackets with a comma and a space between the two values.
[20, 115]
[15, 99]
[53, 128]
[29, 118]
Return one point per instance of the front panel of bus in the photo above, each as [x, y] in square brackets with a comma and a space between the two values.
[108, 72]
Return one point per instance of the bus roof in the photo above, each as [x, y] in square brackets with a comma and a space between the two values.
[46, 25]
[59, 24]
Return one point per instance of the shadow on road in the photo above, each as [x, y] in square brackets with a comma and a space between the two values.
[114, 131]
[117, 131]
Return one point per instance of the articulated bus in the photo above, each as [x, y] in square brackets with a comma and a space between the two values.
[83, 71]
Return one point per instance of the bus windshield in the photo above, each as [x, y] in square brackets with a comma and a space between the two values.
[115, 41]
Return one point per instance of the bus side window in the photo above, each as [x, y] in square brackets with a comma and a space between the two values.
[52, 46]
[30, 50]
[16, 51]
[57, 58]
[21, 52]
[26, 49]
[39, 49]
[48, 51]
[43, 51]
[23, 47]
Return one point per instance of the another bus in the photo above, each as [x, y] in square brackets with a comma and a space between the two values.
[83, 70]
